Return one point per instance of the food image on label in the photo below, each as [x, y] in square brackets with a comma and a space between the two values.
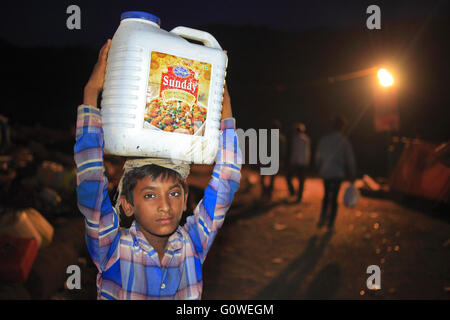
[177, 94]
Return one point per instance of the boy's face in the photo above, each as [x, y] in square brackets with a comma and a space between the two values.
[158, 205]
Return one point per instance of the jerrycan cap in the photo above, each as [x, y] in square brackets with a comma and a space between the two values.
[140, 15]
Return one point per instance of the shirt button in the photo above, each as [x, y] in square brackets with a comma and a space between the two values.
[163, 286]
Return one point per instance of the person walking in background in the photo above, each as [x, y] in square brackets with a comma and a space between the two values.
[335, 160]
[299, 159]
[268, 190]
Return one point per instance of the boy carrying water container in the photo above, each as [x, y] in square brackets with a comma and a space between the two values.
[155, 258]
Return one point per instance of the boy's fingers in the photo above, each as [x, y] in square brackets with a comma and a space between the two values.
[105, 45]
[104, 50]
[100, 53]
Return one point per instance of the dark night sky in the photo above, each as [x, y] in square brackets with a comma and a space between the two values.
[311, 40]
[44, 22]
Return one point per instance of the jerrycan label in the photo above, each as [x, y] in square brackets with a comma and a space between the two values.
[177, 94]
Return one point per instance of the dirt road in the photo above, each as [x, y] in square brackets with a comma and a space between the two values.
[273, 249]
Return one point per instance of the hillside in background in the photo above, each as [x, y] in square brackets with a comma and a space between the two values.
[271, 74]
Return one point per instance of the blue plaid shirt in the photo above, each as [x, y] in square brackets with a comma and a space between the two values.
[129, 267]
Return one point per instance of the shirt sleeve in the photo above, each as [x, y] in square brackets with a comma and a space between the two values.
[102, 225]
[210, 212]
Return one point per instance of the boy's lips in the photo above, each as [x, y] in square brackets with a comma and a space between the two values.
[165, 220]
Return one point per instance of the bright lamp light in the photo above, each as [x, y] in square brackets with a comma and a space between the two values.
[385, 78]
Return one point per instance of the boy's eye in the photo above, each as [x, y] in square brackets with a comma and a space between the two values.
[149, 195]
[175, 193]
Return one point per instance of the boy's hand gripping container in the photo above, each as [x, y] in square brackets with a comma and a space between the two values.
[162, 95]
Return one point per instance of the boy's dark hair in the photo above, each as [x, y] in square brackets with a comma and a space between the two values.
[131, 178]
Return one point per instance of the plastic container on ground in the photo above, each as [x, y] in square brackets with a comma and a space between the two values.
[17, 224]
[42, 226]
[17, 256]
[162, 95]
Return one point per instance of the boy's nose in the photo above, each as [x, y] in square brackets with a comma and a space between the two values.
[164, 204]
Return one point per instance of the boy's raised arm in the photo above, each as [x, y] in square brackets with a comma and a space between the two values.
[210, 212]
[102, 227]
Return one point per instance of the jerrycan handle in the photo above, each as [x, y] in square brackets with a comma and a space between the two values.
[197, 35]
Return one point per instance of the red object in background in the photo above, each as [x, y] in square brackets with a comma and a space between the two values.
[386, 110]
[17, 256]
[421, 172]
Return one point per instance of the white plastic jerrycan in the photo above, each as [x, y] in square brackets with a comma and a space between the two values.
[162, 95]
